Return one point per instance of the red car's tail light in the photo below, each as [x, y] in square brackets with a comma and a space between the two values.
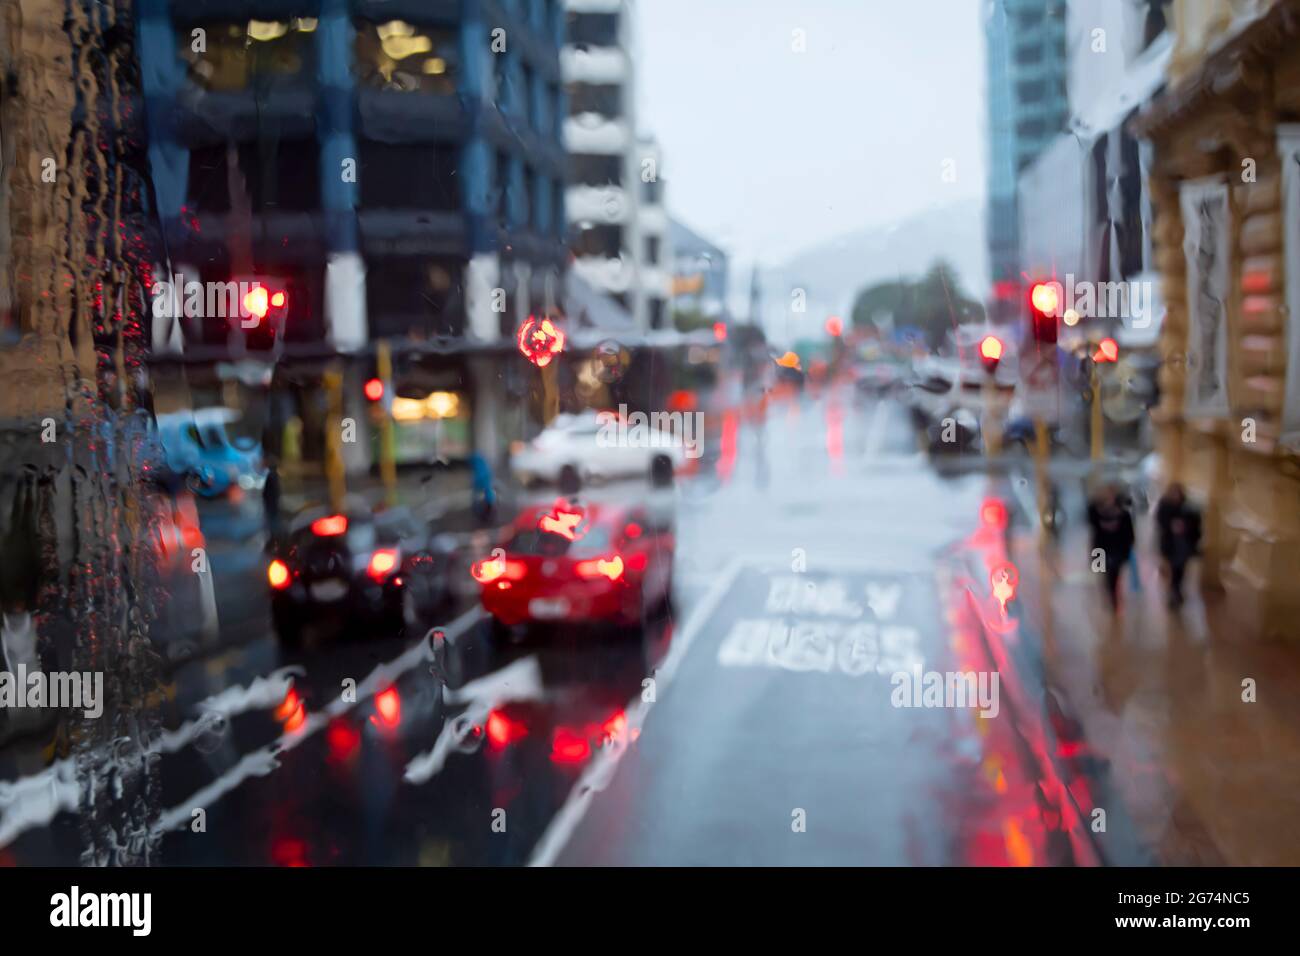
[611, 568]
[382, 562]
[277, 573]
[329, 527]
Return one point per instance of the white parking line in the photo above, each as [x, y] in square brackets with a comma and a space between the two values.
[600, 771]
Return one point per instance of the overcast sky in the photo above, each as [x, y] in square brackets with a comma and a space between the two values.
[768, 151]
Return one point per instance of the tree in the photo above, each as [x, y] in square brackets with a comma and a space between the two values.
[934, 304]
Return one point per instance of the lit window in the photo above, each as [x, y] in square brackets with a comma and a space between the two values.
[401, 56]
[234, 56]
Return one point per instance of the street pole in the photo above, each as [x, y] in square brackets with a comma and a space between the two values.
[550, 392]
[387, 438]
[1098, 427]
[992, 431]
[1040, 474]
[334, 470]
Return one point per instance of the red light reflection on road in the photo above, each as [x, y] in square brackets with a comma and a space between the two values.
[1003, 580]
[569, 747]
[388, 709]
[727, 446]
[835, 437]
[503, 731]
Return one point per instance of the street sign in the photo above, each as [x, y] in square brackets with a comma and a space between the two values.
[1041, 383]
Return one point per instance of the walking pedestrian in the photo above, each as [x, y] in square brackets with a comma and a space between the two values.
[271, 499]
[1179, 526]
[1112, 536]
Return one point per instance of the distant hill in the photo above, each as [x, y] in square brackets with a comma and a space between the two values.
[833, 272]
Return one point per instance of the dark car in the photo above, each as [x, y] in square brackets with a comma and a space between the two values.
[374, 572]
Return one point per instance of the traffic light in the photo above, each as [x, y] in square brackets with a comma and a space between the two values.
[1107, 351]
[374, 389]
[990, 353]
[1044, 310]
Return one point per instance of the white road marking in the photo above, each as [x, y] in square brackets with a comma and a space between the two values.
[600, 771]
[519, 680]
[263, 761]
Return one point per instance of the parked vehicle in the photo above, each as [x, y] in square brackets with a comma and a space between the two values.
[186, 620]
[201, 452]
[572, 452]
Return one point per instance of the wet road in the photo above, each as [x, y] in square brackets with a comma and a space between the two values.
[819, 555]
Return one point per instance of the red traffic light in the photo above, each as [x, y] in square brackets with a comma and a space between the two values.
[540, 341]
[990, 352]
[1045, 297]
[1045, 309]
[374, 389]
[720, 331]
[1107, 351]
[260, 300]
[834, 327]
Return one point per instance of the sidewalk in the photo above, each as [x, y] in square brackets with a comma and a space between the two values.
[1207, 778]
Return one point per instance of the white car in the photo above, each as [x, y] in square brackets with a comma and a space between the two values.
[585, 448]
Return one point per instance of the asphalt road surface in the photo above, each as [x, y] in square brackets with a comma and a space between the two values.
[820, 556]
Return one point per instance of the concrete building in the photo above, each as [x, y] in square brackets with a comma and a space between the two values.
[1027, 104]
[1227, 241]
[1084, 211]
[618, 225]
[397, 165]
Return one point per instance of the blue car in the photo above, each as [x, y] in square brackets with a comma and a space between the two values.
[199, 450]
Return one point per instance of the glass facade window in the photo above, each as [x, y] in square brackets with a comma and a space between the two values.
[400, 56]
[409, 176]
[229, 57]
[593, 29]
[603, 98]
[605, 242]
[596, 170]
[288, 174]
[414, 295]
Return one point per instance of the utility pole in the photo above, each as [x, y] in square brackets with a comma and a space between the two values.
[387, 438]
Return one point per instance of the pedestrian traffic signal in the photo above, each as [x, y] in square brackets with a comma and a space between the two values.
[1107, 351]
[1044, 309]
[991, 353]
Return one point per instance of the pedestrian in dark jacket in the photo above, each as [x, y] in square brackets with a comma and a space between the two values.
[1179, 526]
[1112, 535]
[271, 498]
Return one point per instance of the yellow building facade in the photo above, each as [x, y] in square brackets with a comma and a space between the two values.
[1225, 187]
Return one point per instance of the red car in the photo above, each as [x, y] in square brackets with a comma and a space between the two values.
[570, 564]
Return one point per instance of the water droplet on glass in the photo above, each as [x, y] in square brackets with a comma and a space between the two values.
[210, 732]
